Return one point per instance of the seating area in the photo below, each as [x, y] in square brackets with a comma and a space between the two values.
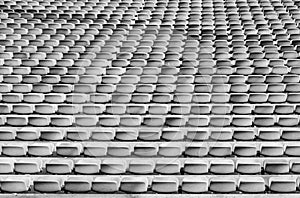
[153, 97]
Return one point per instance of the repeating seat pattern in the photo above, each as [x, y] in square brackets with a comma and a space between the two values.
[149, 96]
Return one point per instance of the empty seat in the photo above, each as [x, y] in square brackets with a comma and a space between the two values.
[292, 149]
[165, 184]
[248, 166]
[134, 184]
[15, 184]
[86, 120]
[69, 149]
[222, 185]
[276, 166]
[222, 167]
[61, 120]
[40, 149]
[27, 134]
[272, 149]
[105, 184]
[113, 166]
[7, 166]
[28, 166]
[52, 134]
[282, 184]
[78, 184]
[14, 149]
[60, 166]
[48, 184]
[166, 166]
[145, 150]
[221, 149]
[94, 150]
[141, 166]
[195, 166]
[194, 185]
[251, 184]
[149, 134]
[267, 134]
[196, 150]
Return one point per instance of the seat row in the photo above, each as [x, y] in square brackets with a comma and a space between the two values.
[160, 22]
[148, 134]
[150, 109]
[142, 59]
[179, 15]
[110, 52]
[131, 50]
[191, 73]
[142, 184]
[163, 149]
[200, 81]
[180, 166]
[87, 45]
[150, 75]
[93, 7]
[103, 12]
[150, 120]
[90, 84]
[79, 98]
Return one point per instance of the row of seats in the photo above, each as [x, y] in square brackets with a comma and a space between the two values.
[103, 9]
[150, 75]
[111, 52]
[110, 34]
[163, 149]
[160, 64]
[86, 87]
[202, 83]
[121, 98]
[148, 134]
[150, 109]
[109, 13]
[86, 29]
[239, 26]
[133, 52]
[116, 34]
[186, 77]
[150, 120]
[179, 14]
[52, 49]
[74, 45]
[79, 4]
[142, 184]
[260, 166]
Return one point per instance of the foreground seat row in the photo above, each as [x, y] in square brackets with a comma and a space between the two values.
[158, 184]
